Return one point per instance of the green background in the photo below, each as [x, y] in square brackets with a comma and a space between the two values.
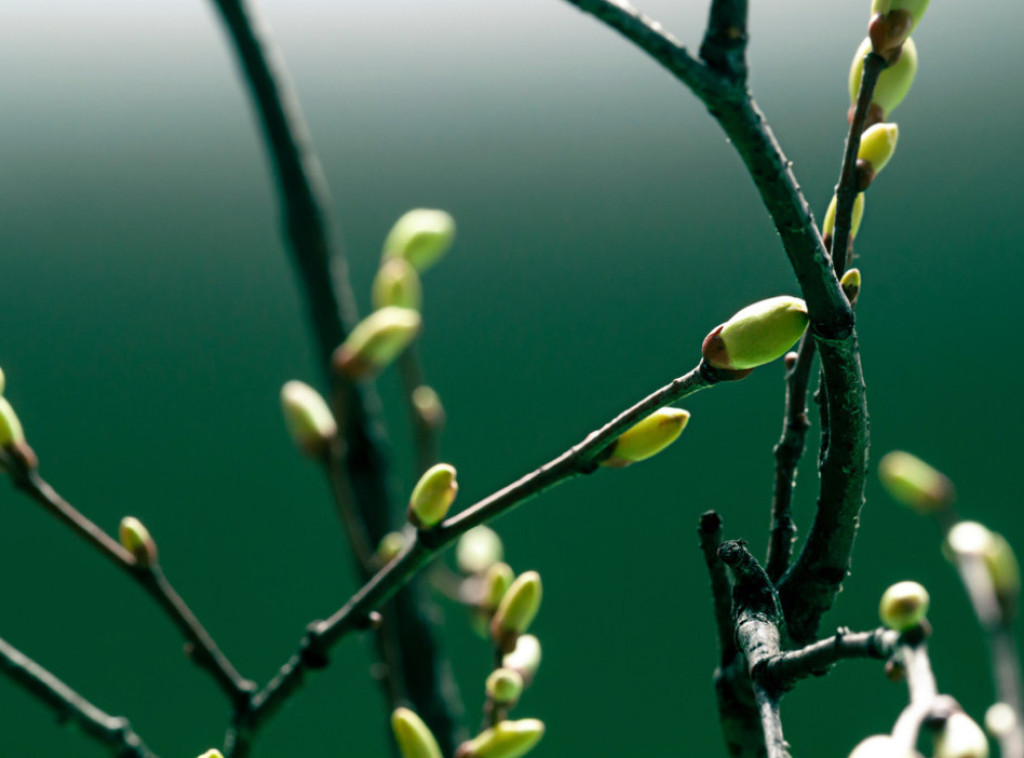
[150, 317]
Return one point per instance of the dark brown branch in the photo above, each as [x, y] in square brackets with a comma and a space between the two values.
[113, 731]
[725, 42]
[710, 532]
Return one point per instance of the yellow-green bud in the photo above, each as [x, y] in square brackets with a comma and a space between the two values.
[433, 496]
[507, 739]
[391, 545]
[647, 438]
[913, 482]
[525, 658]
[877, 145]
[881, 746]
[3, 381]
[428, 404]
[397, 283]
[214, 753]
[904, 605]
[497, 580]
[1005, 572]
[960, 737]
[828, 224]
[517, 610]
[478, 550]
[504, 686]
[893, 83]
[135, 538]
[851, 284]
[414, 738]
[421, 237]
[308, 419]
[1000, 720]
[11, 432]
[376, 341]
[756, 335]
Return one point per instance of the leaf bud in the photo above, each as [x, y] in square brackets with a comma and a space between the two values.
[913, 482]
[478, 550]
[428, 405]
[376, 341]
[914, 9]
[214, 753]
[391, 544]
[851, 284]
[1000, 720]
[757, 334]
[11, 431]
[525, 658]
[308, 419]
[1004, 571]
[504, 686]
[967, 539]
[960, 737]
[881, 746]
[135, 538]
[398, 284]
[517, 610]
[3, 381]
[497, 580]
[507, 739]
[414, 738]
[893, 83]
[647, 438]
[877, 145]
[421, 237]
[828, 224]
[433, 496]
[903, 606]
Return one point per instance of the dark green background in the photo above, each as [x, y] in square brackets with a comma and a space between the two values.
[150, 317]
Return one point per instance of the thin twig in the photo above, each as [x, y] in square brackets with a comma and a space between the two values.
[923, 693]
[710, 531]
[113, 731]
[426, 430]
[816, 659]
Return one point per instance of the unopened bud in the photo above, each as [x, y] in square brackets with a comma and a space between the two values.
[497, 580]
[647, 437]
[428, 405]
[877, 145]
[913, 482]
[398, 284]
[915, 8]
[893, 83]
[507, 739]
[1000, 720]
[421, 237]
[414, 738]
[376, 341]
[504, 686]
[960, 737]
[881, 746]
[851, 284]
[308, 419]
[136, 540]
[888, 30]
[390, 546]
[478, 550]
[828, 224]
[214, 753]
[3, 381]
[756, 335]
[1004, 571]
[517, 610]
[525, 658]
[967, 539]
[433, 496]
[11, 431]
[904, 605]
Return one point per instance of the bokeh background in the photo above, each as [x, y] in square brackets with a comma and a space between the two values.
[150, 316]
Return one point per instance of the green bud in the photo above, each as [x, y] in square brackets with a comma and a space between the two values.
[421, 237]
[507, 739]
[478, 550]
[3, 381]
[376, 341]
[504, 686]
[11, 432]
[877, 145]
[433, 496]
[214, 753]
[428, 405]
[647, 437]
[525, 658]
[913, 482]
[391, 545]
[1000, 720]
[136, 540]
[414, 738]
[960, 737]
[1005, 572]
[497, 580]
[517, 610]
[398, 284]
[893, 83]
[308, 419]
[756, 335]
[851, 284]
[881, 746]
[904, 605]
[967, 539]
[828, 225]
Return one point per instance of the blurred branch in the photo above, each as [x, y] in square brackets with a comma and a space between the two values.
[923, 692]
[426, 425]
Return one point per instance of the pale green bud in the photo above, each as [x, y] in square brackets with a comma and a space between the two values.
[3, 381]
[11, 432]
[504, 686]
[135, 538]
[877, 145]
[428, 404]
[433, 496]
[497, 580]
[647, 437]
[1000, 720]
[828, 225]
[881, 746]
[967, 539]
[397, 283]
[756, 335]
[517, 610]
[851, 284]
[1005, 572]
[414, 738]
[893, 83]
[391, 545]
[507, 739]
[960, 737]
[904, 605]
[308, 419]
[478, 550]
[525, 658]
[913, 482]
[376, 341]
[421, 237]
[214, 753]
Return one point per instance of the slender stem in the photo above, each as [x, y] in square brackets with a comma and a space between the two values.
[710, 531]
[426, 429]
[923, 693]
[113, 731]
[344, 502]
[816, 659]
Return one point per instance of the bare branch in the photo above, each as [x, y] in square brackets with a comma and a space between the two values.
[725, 41]
[710, 532]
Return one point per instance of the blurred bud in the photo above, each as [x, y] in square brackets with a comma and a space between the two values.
[497, 580]
[828, 225]
[376, 341]
[433, 496]
[1005, 573]
[851, 284]
[504, 686]
[517, 610]
[1000, 720]
[391, 545]
[967, 539]
[308, 419]
[421, 237]
[507, 739]
[913, 482]
[756, 335]
[414, 738]
[877, 145]
[478, 550]
[212, 754]
[881, 746]
[428, 404]
[647, 437]
[525, 658]
[903, 606]
[11, 432]
[960, 737]
[893, 83]
[398, 284]
[3, 381]
[136, 540]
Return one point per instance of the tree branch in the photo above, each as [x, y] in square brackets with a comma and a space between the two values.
[725, 42]
[710, 532]
[815, 659]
